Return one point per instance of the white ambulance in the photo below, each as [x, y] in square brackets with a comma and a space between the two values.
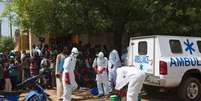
[169, 62]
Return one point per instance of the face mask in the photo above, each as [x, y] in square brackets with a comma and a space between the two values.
[75, 55]
[100, 55]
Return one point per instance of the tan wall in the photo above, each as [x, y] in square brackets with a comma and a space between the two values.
[102, 39]
[33, 39]
[25, 41]
[94, 39]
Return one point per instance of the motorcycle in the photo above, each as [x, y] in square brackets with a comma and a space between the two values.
[36, 93]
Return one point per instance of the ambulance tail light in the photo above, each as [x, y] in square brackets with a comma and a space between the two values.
[163, 68]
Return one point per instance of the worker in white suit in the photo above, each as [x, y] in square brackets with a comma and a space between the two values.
[113, 63]
[100, 67]
[68, 77]
[134, 78]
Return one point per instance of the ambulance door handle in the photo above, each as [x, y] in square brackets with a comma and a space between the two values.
[151, 61]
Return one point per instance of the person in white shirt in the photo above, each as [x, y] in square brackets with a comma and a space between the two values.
[58, 72]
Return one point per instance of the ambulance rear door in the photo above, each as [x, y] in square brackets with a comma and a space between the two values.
[141, 53]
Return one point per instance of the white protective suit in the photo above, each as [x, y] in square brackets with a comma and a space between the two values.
[100, 66]
[39, 51]
[132, 76]
[59, 69]
[113, 63]
[68, 77]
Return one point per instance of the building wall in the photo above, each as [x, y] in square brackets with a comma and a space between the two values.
[5, 24]
[98, 39]
[104, 39]
[94, 39]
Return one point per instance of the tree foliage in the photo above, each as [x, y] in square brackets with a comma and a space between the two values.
[6, 44]
[136, 17]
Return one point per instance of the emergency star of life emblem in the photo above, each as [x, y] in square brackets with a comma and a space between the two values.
[189, 46]
[141, 67]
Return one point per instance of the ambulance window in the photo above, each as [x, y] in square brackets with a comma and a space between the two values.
[175, 46]
[142, 48]
[199, 45]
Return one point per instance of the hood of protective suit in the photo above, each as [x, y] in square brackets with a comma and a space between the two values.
[114, 58]
[100, 55]
[37, 48]
[74, 52]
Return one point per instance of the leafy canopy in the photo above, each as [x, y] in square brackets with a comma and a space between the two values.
[6, 44]
[138, 17]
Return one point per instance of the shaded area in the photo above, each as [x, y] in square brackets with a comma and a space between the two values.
[84, 95]
[160, 96]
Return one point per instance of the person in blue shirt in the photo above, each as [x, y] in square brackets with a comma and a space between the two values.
[58, 72]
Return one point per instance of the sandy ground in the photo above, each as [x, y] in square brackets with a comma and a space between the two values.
[79, 95]
[84, 95]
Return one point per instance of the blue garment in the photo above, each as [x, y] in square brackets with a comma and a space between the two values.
[61, 63]
[12, 70]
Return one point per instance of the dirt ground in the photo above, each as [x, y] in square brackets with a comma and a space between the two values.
[79, 95]
[84, 95]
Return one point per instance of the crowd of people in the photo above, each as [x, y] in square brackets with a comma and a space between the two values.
[91, 67]
[16, 67]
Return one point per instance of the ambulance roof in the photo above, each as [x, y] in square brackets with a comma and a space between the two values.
[154, 36]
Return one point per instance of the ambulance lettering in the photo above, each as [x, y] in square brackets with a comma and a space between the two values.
[184, 61]
[142, 59]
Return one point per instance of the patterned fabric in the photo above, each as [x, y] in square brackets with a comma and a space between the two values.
[12, 70]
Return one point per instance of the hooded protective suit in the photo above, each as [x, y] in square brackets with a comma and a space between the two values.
[100, 67]
[113, 63]
[38, 51]
[132, 76]
[68, 77]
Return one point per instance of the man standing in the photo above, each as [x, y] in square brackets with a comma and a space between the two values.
[25, 66]
[100, 67]
[68, 76]
[113, 63]
[58, 72]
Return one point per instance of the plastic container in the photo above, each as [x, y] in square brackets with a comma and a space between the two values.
[115, 98]
[2, 98]
[10, 96]
[94, 91]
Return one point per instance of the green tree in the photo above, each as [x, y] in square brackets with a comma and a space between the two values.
[6, 44]
[136, 17]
